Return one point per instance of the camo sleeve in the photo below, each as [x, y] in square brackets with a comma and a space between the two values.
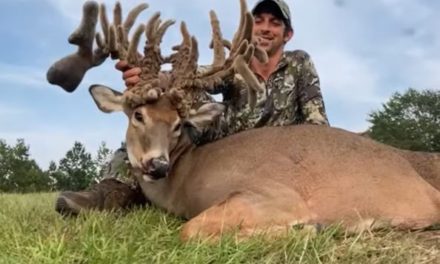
[310, 97]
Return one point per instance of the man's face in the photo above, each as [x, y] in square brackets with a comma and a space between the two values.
[270, 33]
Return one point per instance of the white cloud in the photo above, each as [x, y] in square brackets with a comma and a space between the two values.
[18, 76]
[8, 111]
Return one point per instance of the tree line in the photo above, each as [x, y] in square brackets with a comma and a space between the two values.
[76, 171]
[410, 120]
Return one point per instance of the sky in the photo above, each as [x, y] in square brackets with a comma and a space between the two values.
[364, 52]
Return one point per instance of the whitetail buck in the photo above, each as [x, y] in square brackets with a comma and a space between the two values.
[263, 179]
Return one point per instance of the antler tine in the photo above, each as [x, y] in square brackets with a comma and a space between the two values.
[115, 41]
[132, 56]
[162, 29]
[117, 14]
[238, 35]
[217, 44]
[183, 52]
[112, 42]
[133, 14]
[217, 41]
[244, 32]
[104, 20]
[189, 67]
[151, 26]
[186, 82]
[185, 34]
[153, 60]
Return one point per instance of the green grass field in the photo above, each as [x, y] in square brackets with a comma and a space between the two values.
[32, 232]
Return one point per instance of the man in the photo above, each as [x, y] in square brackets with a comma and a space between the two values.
[293, 97]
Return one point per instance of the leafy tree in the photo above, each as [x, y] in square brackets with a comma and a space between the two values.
[58, 178]
[76, 170]
[4, 167]
[409, 121]
[102, 159]
[18, 172]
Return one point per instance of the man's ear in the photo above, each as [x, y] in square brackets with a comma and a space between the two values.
[205, 115]
[107, 99]
[288, 35]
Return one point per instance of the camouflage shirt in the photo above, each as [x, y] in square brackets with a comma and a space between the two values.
[293, 96]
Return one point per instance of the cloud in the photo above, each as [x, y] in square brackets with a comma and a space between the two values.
[424, 75]
[7, 111]
[13, 76]
[347, 77]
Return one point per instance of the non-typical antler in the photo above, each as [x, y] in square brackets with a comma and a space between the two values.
[185, 81]
[151, 85]
[69, 71]
[116, 41]
[188, 80]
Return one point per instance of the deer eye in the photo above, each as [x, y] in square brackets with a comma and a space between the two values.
[138, 116]
[177, 127]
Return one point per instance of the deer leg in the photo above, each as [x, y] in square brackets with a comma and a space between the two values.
[248, 215]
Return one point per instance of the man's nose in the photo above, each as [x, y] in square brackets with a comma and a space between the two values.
[263, 27]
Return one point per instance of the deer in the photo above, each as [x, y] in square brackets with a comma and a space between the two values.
[264, 180]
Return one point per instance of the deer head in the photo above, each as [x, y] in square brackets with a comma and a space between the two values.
[162, 104]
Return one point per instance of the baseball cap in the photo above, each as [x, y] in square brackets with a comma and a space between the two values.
[282, 7]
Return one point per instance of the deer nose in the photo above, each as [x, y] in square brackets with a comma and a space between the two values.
[158, 168]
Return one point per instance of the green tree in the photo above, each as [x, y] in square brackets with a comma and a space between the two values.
[102, 159]
[59, 178]
[409, 121]
[4, 166]
[76, 170]
[18, 172]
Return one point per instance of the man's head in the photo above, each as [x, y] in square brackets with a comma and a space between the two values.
[273, 26]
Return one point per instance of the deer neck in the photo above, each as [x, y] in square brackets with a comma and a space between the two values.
[184, 145]
[165, 193]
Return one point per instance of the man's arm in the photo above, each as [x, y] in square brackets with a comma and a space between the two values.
[310, 98]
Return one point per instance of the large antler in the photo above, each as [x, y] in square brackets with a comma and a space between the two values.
[151, 85]
[188, 80]
[69, 71]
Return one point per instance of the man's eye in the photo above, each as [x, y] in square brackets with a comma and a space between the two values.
[138, 116]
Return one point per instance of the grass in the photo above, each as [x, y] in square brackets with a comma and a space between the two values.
[32, 232]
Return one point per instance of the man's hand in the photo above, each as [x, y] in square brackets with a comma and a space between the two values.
[129, 74]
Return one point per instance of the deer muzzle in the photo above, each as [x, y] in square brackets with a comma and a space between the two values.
[158, 168]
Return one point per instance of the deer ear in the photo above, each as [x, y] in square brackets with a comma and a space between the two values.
[205, 115]
[107, 99]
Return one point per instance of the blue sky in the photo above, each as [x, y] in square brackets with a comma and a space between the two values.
[364, 51]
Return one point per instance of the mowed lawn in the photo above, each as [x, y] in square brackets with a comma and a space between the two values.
[32, 232]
